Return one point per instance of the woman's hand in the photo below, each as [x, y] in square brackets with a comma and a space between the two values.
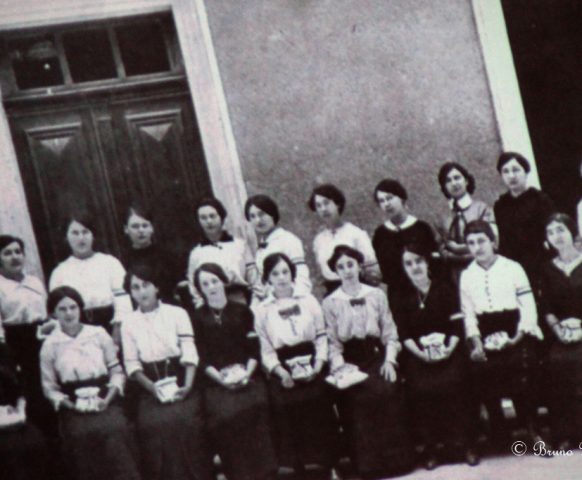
[260, 291]
[477, 350]
[514, 340]
[181, 394]
[316, 371]
[388, 372]
[101, 404]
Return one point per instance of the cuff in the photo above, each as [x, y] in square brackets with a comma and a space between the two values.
[118, 381]
[133, 367]
[336, 362]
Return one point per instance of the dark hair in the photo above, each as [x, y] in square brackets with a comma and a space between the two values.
[565, 220]
[84, 218]
[6, 240]
[271, 261]
[143, 271]
[448, 168]
[264, 203]
[214, 203]
[389, 185]
[328, 191]
[139, 210]
[342, 250]
[507, 157]
[418, 249]
[58, 294]
[479, 226]
[212, 268]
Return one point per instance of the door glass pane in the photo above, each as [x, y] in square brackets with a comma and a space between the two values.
[35, 62]
[143, 49]
[89, 55]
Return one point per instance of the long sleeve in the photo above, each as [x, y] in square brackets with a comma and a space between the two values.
[528, 316]
[186, 338]
[130, 351]
[121, 299]
[296, 253]
[321, 344]
[335, 346]
[49, 379]
[388, 330]
[468, 309]
[116, 375]
[269, 355]
[192, 265]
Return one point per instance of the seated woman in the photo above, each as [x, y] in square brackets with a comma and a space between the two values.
[144, 249]
[458, 186]
[235, 396]
[97, 276]
[501, 325]
[159, 354]
[23, 449]
[361, 331]
[329, 202]
[561, 288]
[263, 214]
[429, 323]
[293, 342]
[231, 254]
[399, 228]
[82, 377]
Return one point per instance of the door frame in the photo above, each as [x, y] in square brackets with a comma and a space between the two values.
[206, 92]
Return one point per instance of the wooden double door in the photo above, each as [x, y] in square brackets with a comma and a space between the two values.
[100, 152]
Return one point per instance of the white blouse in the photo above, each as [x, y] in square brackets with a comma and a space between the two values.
[155, 336]
[348, 234]
[366, 314]
[283, 241]
[288, 322]
[91, 354]
[504, 286]
[21, 302]
[99, 280]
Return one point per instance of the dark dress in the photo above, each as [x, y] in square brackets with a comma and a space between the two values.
[23, 450]
[237, 420]
[388, 246]
[562, 297]
[521, 223]
[439, 392]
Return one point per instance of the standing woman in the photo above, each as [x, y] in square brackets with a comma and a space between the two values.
[290, 326]
[237, 408]
[160, 356]
[561, 284]
[218, 246]
[361, 331]
[329, 202]
[97, 276]
[521, 215]
[262, 212]
[73, 358]
[143, 249]
[458, 186]
[429, 323]
[399, 228]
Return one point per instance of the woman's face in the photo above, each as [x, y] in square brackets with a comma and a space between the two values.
[210, 221]
[456, 184]
[481, 247]
[514, 176]
[326, 209]
[211, 286]
[80, 239]
[12, 259]
[348, 269]
[262, 222]
[280, 277]
[559, 236]
[144, 293]
[68, 313]
[415, 267]
[139, 230]
[392, 205]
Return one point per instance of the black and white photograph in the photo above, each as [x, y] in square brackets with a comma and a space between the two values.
[290, 239]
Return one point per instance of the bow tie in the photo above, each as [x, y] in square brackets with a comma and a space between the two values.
[288, 312]
[354, 302]
[263, 244]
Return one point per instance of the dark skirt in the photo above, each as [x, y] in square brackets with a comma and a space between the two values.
[172, 437]
[238, 425]
[24, 454]
[374, 416]
[305, 426]
[100, 317]
[98, 445]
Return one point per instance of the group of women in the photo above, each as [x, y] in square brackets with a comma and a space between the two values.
[149, 385]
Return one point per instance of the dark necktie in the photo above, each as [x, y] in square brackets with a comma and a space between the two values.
[457, 229]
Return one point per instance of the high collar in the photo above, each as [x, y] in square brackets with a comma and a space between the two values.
[463, 203]
[409, 222]
[224, 237]
[339, 293]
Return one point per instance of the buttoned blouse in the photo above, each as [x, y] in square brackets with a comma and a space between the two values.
[502, 287]
[357, 317]
[348, 234]
[21, 302]
[89, 355]
[155, 336]
[471, 210]
[99, 280]
[286, 322]
[283, 241]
